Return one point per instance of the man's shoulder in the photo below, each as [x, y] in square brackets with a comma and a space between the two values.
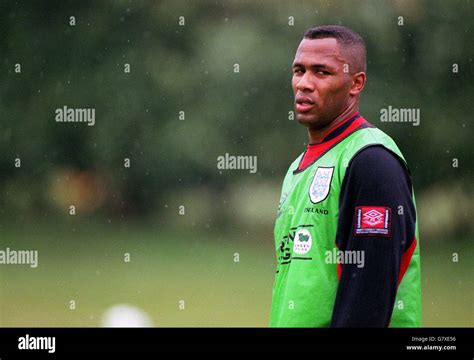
[360, 140]
[296, 162]
[377, 163]
[376, 154]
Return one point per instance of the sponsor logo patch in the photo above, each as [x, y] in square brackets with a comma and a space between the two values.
[321, 184]
[373, 220]
[302, 242]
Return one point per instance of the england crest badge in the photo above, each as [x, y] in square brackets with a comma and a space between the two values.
[321, 184]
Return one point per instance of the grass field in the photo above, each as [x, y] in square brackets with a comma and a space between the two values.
[86, 264]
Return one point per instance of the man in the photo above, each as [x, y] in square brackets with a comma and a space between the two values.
[346, 232]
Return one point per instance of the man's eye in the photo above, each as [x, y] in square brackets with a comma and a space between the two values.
[297, 71]
[322, 72]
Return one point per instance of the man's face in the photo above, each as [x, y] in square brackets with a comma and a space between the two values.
[320, 84]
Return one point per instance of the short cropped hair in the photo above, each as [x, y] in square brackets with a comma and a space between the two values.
[347, 38]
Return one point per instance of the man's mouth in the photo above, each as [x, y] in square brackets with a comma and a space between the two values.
[303, 104]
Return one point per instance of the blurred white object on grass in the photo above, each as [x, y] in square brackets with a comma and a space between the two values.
[125, 315]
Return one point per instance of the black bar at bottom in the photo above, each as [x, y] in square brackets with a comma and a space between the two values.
[425, 342]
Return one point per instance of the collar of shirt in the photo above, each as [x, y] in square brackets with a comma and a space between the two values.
[333, 136]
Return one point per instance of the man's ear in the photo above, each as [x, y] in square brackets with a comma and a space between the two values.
[358, 83]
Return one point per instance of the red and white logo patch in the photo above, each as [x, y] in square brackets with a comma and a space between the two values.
[373, 220]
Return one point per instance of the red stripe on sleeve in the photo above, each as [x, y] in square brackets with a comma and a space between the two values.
[406, 258]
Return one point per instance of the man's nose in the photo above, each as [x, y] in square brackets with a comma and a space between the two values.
[305, 83]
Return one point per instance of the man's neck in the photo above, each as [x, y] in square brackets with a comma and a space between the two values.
[315, 135]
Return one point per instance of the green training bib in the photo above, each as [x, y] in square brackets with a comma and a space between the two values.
[305, 285]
